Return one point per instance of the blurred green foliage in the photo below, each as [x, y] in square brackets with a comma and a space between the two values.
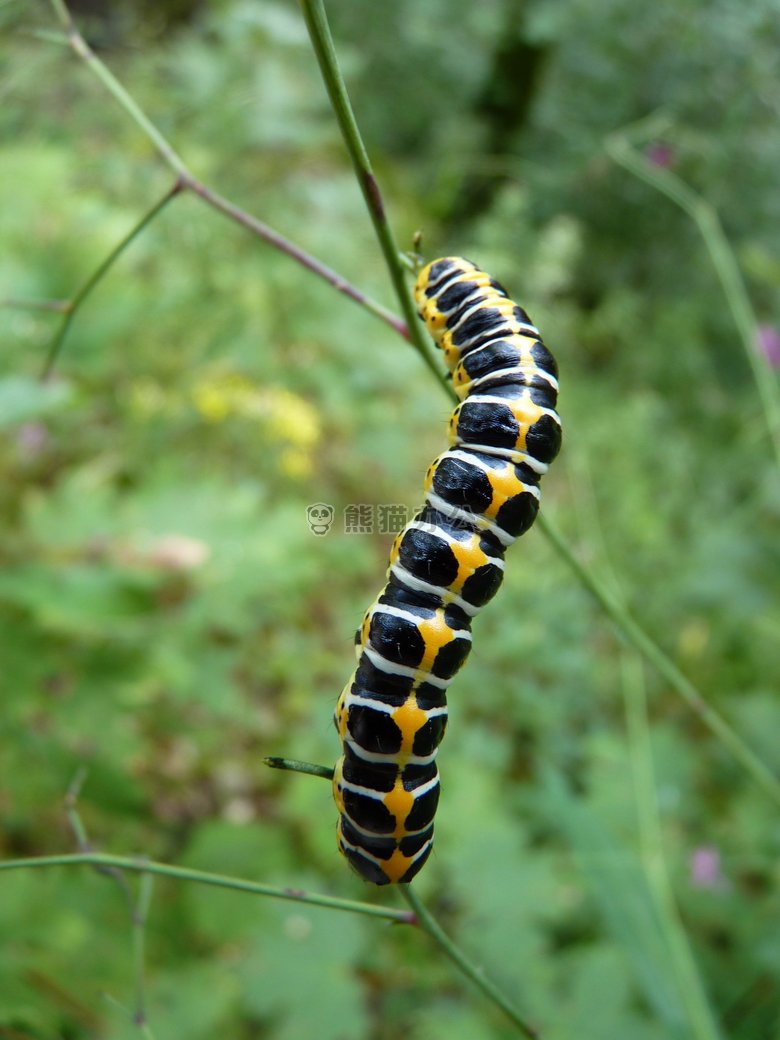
[167, 618]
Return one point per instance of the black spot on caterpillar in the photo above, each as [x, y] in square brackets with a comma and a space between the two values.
[447, 563]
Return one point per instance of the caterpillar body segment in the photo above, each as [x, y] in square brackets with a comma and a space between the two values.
[448, 562]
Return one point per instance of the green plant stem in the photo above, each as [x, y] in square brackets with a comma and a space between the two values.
[322, 42]
[641, 641]
[141, 866]
[296, 766]
[72, 813]
[186, 180]
[721, 254]
[138, 906]
[97, 275]
[114, 87]
[140, 917]
[58, 306]
[431, 926]
[80, 834]
[145, 1030]
[692, 992]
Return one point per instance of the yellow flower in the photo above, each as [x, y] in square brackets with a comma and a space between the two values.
[295, 463]
[294, 419]
[211, 403]
[285, 417]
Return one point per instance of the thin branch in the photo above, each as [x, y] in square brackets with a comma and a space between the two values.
[47, 35]
[202, 877]
[111, 1000]
[322, 42]
[114, 87]
[140, 917]
[305, 259]
[138, 907]
[431, 926]
[187, 180]
[58, 306]
[296, 766]
[721, 254]
[97, 275]
[83, 843]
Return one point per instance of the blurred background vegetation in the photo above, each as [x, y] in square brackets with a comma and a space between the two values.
[167, 618]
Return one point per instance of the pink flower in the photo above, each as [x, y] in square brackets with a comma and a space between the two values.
[660, 154]
[768, 340]
[705, 867]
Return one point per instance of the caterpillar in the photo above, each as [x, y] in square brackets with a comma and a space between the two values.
[480, 495]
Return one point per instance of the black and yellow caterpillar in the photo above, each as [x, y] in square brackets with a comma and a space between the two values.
[445, 565]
